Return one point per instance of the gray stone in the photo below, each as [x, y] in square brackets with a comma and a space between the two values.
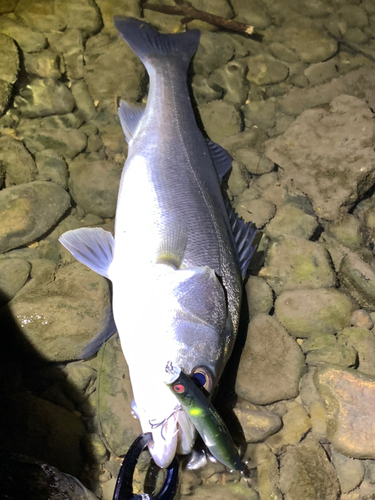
[306, 472]
[257, 423]
[13, 275]
[267, 473]
[17, 161]
[317, 166]
[52, 167]
[347, 230]
[46, 64]
[7, 6]
[259, 296]
[6, 90]
[363, 341]
[44, 98]
[28, 211]
[94, 186]
[220, 120]
[265, 70]
[81, 376]
[321, 72]
[293, 262]
[366, 491]
[306, 313]
[28, 39]
[339, 354]
[353, 15]
[358, 278]
[251, 14]
[203, 93]
[9, 59]
[280, 51]
[230, 80]
[256, 210]
[247, 138]
[70, 45]
[349, 471]
[309, 44]
[260, 114]
[214, 51]
[313, 404]
[268, 374]
[238, 179]
[84, 102]
[254, 162]
[362, 319]
[290, 219]
[84, 15]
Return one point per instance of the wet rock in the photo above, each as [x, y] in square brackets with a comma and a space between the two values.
[84, 15]
[247, 138]
[264, 70]
[353, 15]
[231, 82]
[13, 275]
[358, 278]
[46, 64]
[296, 263]
[369, 471]
[349, 399]
[254, 162]
[296, 424]
[94, 186]
[220, 120]
[214, 51]
[255, 210]
[52, 167]
[347, 230]
[28, 211]
[317, 165]
[256, 423]
[81, 376]
[291, 220]
[306, 472]
[349, 471]
[44, 97]
[84, 102]
[362, 319]
[259, 296]
[238, 179]
[235, 491]
[267, 472]
[338, 354]
[203, 93]
[280, 51]
[28, 39]
[313, 404]
[365, 492]
[17, 161]
[310, 45]
[114, 396]
[253, 14]
[268, 374]
[35, 427]
[69, 45]
[7, 6]
[363, 341]
[58, 316]
[306, 313]
[321, 72]
[9, 68]
[260, 114]
[40, 16]
[96, 448]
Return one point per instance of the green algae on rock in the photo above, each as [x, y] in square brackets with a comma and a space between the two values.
[363, 341]
[259, 296]
[290, 219]
[358, 278]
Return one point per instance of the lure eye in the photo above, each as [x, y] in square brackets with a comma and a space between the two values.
[203, 378]
[179, 388]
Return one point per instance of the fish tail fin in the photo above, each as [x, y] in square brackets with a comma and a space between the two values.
[148, 44]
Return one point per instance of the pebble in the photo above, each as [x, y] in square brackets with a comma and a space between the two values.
[203, 93]
[280, 51]
[9, 60]
[84, 15]
[44, 97]
[259, 296]
[234, 490]
[257, 423]
[362, 319]
[265, 70]
[339, 354]
[84, 103]
[349, 399]
[256, 210]
[214, 51]
[96, 448]
[366, 491]
[313, 404]
[52, 167]
[321, 72]
[267, 473]
[350, 471]
[253, 14]
[353, 15]
[220, 120]
[293, 262]
[265, 374]
[28, 211]
[28, 39]
[307, 313]
[238, 179]
[230, 80]
[46, 64]
[81, 376]
[17, 161]
[290, 219]
[310, 45]
[70, 45]
[13, 275]
[347, 230]
[358, 278]
[260, 114]
[254, 162]
[363, 341]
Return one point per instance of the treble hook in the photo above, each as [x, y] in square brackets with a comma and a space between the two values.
[124, 483]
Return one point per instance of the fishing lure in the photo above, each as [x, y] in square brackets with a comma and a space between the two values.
[205, 418]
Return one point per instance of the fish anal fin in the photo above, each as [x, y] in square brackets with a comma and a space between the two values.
[109, 329]
[130, 116]
[221, 159]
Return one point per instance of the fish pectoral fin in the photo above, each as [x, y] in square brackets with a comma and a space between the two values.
[173, 244]
[221, 159]
[93, 247]
[109, 329]
[130, 116]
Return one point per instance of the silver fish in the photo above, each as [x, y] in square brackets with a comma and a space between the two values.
[177, 259]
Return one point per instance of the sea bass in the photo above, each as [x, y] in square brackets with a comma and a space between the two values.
[178, 256]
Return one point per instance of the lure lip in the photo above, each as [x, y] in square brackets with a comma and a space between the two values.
[172, 373]
[124, 483]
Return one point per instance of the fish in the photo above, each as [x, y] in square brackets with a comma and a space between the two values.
[179, 253]
[205, 418]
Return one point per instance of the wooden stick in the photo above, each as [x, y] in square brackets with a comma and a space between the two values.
[184, 8]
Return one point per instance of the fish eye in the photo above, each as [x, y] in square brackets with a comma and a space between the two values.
[202, 378]
[179, 388]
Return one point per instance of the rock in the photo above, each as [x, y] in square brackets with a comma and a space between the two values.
[280, 51]
[260, 114]
[230, 80]
[259, 296]
[362, 319]
[254, 162]
[52, 167]
[311, 46]
[94, 186]
[290, 219]
[69, 45]
[238, 179]
[265, 70]
[256, 210]
[35, 427]
[256, 423]
[293, 262]
[44, 97]
[247, 138]
[369, 471]
[7, 6]
[84, 102]
[313, 404]
[28, 39]
[17, 161]
[214, 51]
[118, 426]
[40, 16]
[268, 473]
[296, 424]
[84, 15]
[46, 64]
[13, 275]
[349, 471]
[9, 68]
[96, 448]
[306, 313]
[253, 14]
[316, 165]
[339, 354]
[235, 491]
[220, 120]
[365, 492]
[358, 278]
[347, 230]
[203, 93]
[28, 211]
[271, 363]
[349, 399]
[306, 472]
[57, 317]
[81, 376]
[321, 72]
[353, 15]
[363, 341]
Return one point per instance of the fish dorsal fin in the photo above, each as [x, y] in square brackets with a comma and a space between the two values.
[222, 160]
[109, 328]
[93, 247]
[244, 238]
[173, 244]
[130, 116]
